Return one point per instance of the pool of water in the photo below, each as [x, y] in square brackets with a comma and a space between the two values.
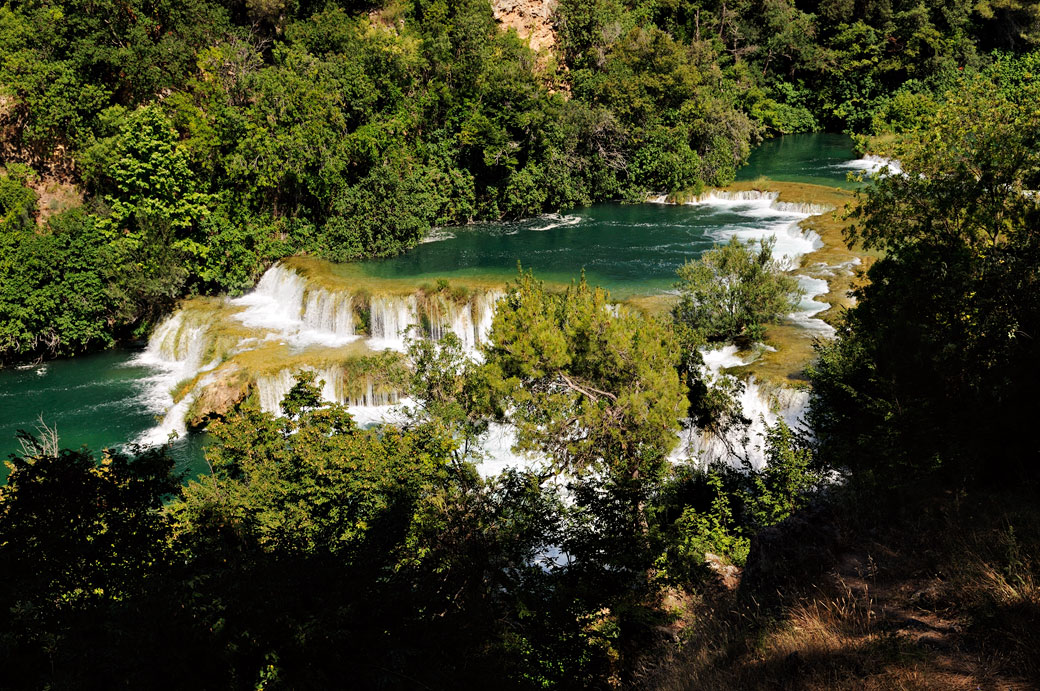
[107, 399]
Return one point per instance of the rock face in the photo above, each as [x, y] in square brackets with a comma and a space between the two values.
[532, 20]
[218, 397]
[729, 575]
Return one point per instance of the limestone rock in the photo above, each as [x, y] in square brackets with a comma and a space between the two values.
[729, 575]
[532, 20]
[228, 387]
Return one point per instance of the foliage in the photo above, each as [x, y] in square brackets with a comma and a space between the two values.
[82, 541]
[787, 481]
[931, 366]
[590, 389]
[213, 139]
[451, 390]
[716, 510]
[712, 532]
[53, 297]
[731, 292]
[388, 552]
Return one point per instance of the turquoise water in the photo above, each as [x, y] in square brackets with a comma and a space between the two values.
[102, 400]
[818, 159]
[98, 401]
[628, 249]
[633, 249]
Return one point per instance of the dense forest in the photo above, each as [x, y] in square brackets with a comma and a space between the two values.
[156, 150]
[153, 150]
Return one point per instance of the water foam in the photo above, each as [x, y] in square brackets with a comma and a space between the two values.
[283, 304]
[872, 164]
[767, 218]
[762, 406]
[809, 307]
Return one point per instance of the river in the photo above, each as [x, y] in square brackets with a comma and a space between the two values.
[111, 398]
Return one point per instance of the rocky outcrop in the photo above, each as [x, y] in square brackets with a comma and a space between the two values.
[532, 20]
[219, 396]
[728, 574]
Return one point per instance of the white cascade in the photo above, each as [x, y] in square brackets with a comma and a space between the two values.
[761, 405]
[284, 304]
[175, 352]
[809, 306]
[390, 318]
[272, 388]
[762, 217]
[329, 312]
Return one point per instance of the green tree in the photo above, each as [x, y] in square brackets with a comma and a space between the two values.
[930, 368]
[82, 541]
[732, 292]
[590, 386]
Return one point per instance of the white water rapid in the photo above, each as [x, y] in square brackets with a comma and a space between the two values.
[763, 406]
[323, 324]
[766, 217]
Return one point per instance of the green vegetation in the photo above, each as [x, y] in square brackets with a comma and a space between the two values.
[936, 364]
[316, 545]
[732, 292]
[210, 140]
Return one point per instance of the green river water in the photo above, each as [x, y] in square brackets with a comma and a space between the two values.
[103, 400]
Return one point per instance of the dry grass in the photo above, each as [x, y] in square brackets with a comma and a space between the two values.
[943, 595]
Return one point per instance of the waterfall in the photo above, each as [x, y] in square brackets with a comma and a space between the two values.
[762, 406]
[802, 208]
[734, 197]
[329, 312]
[389, 320]
[284, 304]
[272, 388]
[766, 217]
[809, 307]
[175, 352]
[872, 164]
[180, 341]
[469, 320]
[285, 317]
[484, 313]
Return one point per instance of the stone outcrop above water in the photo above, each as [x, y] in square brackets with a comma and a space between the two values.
[218, 396]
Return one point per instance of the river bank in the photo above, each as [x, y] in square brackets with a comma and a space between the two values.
[632, 250]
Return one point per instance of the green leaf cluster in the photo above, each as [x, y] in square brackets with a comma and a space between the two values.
[732, 292]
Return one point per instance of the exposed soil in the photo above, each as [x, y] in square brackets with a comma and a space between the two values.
[532, 20]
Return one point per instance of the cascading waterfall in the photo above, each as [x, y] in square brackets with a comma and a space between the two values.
[809, 306]
[762, 406]
[284, 304]
[871, 164]
[390, 318]
[331, 312]
[767, 218]
[289, 311]
[175, 352]
[469, 320]
[272, 388]
[331, 318]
